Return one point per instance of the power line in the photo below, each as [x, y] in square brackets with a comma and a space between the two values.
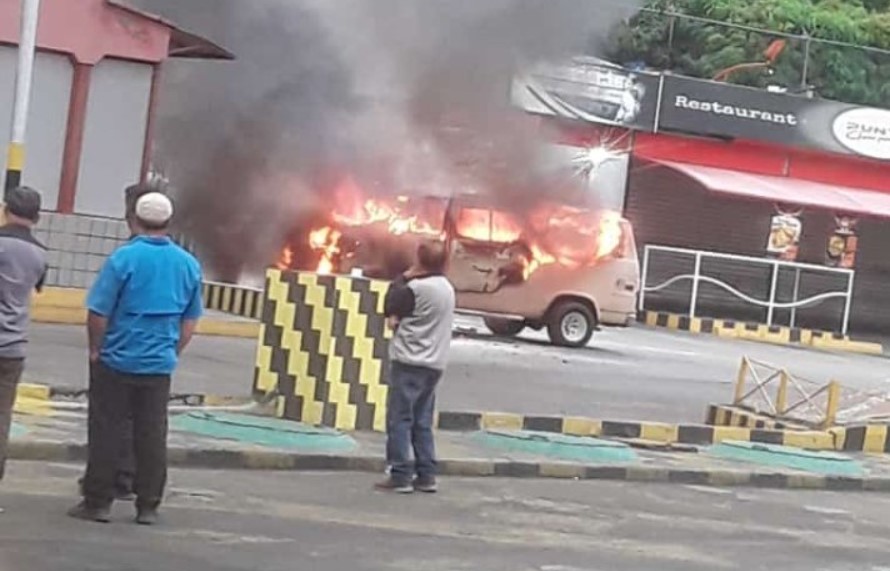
[800, 37]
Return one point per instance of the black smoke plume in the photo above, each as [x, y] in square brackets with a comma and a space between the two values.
[412, 94]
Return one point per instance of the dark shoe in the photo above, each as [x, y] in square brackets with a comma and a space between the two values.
[87, 513]
[395, 486]
[147, 517]
[426, 484]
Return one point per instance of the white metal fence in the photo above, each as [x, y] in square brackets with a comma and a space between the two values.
[771, 303]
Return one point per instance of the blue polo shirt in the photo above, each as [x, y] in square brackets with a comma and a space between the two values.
[146, 288]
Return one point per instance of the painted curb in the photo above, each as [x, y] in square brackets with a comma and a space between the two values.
[870, 438]
[47, 451]
[651, 432]
[65, 306]
[206, 326]
[228, 328]
[862, 438]
[731, 415]
[759, 332]
[35, 391]
[666, 433]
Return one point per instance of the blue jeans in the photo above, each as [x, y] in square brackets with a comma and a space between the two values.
[411, 405]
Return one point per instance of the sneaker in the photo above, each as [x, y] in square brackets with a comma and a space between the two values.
[147, 516]
[426, 484]
[124, 495]
[390, 485]
[87, 513]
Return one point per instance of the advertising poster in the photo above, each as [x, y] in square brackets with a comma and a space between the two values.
[784, 237]
[843, 243]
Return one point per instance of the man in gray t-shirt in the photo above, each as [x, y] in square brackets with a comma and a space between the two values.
[422, 304]
[22, 271]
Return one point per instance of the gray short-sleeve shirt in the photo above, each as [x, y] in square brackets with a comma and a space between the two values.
[22, 270]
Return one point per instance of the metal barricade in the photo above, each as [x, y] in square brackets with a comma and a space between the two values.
[771, 303]
[793, 398]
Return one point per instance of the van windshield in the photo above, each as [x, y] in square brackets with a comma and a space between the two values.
[485, 225]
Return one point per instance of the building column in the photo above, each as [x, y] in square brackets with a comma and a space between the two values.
[77, 114]
[150, 122]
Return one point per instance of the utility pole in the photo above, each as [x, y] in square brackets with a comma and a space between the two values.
[15, 159]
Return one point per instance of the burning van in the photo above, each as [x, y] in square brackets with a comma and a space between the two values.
[550, 266]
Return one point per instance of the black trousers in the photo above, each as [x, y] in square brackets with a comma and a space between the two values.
[10, 374]
[120, 404]
[126, 469]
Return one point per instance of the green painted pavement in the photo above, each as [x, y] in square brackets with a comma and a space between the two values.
[17, 430]
[577, 448]
[828, 463]
[271, 432]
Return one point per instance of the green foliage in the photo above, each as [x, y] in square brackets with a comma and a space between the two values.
[702, 50]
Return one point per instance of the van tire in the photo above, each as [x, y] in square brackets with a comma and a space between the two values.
[504, 327]
[570, 324]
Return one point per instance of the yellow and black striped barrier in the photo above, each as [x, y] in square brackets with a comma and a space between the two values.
[234, 299]
[759, 332]
[728, 415]
[656, 432]
[323, 346]
[872, 438]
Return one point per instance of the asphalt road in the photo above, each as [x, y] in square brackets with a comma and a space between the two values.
[635, 373]
[227, 521]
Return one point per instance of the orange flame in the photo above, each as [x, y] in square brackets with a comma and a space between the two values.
[539, 258]
[610, 235]
[552, 233]
[486, 225]
[388, 215]
[286, 259]
[326, 240]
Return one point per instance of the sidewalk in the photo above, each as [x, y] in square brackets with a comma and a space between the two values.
[207, 438]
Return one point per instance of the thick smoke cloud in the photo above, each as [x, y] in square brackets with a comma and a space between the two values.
[403, 94]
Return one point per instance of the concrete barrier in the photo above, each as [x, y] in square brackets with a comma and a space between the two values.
[323, 346]
[759, 332]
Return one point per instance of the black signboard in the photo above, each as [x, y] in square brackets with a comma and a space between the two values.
[592, 90]
[589, 89]
[723, 110]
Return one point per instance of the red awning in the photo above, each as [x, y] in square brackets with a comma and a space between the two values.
[786, 190]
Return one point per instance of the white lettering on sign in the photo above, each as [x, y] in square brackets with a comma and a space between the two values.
[717, 108]
[864, 131]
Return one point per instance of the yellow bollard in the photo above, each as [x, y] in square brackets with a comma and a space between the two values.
[834, 401]
[782, 394]
[740, 381]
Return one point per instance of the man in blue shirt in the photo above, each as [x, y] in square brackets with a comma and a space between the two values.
[126, 472]
[143, 310]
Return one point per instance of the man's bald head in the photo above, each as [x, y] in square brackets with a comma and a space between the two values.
[432, 256]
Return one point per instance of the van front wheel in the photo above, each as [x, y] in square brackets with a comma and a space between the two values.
[570, 324]
[504, 327]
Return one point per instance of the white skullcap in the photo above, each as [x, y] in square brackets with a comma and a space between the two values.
[154, 208]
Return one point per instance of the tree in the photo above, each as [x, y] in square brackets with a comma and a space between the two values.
[701, 49]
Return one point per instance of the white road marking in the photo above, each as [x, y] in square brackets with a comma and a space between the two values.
[648, 348]
[526, 354]
[826, 511]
